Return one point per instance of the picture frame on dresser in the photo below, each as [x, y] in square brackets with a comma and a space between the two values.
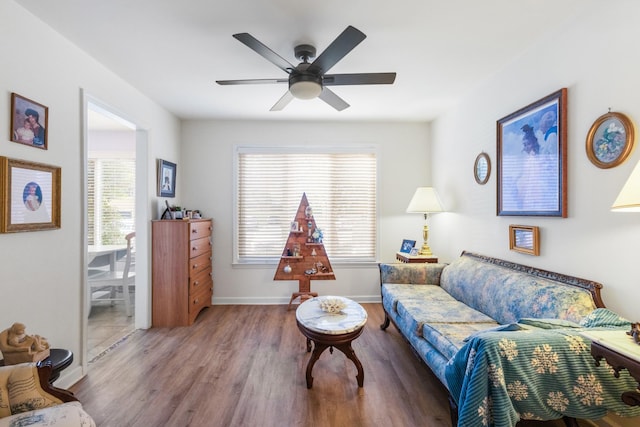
[532, 159]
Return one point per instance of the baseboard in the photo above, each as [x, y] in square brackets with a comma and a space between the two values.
[282, 300]
[69, 377]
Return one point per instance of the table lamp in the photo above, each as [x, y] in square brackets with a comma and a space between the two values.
[629, 198]
[425, 201]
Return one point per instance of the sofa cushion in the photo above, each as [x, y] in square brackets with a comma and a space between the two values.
[416, 313]
[392, 293]
[64, 415]
[448, 338]
[507, 294]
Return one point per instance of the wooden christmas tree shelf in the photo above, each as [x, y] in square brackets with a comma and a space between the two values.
[312, 255]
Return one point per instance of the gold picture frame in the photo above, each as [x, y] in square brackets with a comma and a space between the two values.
[524, 239]
[30, 194]
[610, 140]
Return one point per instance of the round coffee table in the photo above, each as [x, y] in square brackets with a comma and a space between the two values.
[331, 330]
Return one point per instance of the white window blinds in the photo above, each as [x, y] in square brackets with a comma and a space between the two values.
[341, 190]
[110, 200]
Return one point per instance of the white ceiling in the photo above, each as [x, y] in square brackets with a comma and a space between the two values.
[173, 51]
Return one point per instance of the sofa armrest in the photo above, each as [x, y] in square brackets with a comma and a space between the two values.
[44, 373]
[411, 274]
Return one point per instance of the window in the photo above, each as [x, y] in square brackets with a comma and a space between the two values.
[111, 200]
[341, 189]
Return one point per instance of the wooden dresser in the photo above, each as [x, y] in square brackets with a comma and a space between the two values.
[182, 281]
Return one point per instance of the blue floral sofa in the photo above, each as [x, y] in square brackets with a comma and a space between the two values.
[504, 339]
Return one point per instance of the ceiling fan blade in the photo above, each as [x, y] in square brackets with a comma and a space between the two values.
[251, 81]
[332, 99]
[343, 44]
[282, 102]
[359, 79]
[264, 51]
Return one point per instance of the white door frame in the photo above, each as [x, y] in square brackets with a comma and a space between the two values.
[142, 227]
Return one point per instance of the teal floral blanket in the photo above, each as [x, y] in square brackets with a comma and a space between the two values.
[538, 369]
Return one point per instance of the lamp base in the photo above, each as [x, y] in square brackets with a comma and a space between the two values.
[425, 250]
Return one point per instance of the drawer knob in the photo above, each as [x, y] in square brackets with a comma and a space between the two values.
[196, 283]
[197, 300]
[195, 266]
[194, 231]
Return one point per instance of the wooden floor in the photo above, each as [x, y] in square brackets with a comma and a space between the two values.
[245, 366]
[107, 325]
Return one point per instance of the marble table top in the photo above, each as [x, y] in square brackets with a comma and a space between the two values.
[349, 319]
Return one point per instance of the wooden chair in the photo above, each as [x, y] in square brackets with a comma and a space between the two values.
[107, 285]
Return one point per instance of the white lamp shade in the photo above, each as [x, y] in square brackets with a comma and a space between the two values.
[629, 198]
[425, 200]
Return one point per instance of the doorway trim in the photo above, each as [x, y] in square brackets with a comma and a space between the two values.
[142, 227]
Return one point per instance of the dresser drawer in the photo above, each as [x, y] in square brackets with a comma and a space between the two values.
[200, 280]
[199, 301]
[199, 230]
[199, 247]
[199, 263]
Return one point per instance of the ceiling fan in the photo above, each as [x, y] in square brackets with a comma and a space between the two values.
[309, 80]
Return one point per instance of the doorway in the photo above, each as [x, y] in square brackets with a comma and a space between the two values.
[115, 194]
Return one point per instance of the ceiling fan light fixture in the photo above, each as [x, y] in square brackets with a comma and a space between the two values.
[305, 89]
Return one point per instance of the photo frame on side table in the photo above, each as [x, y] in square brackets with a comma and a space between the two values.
[30, 194]
[532, 159]
[407, 245]
[29, 122]
[610, 140]
[166, 178]
[524, 239]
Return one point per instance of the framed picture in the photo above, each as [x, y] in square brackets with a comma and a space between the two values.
[30, 194]
[166, 178]
[414, 252]
[610, 140]
[29, 122]
[525, 239]
[407, 245]
[532, 159]
[482, 168]
[294, 226]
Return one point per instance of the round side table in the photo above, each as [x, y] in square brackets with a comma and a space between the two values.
[331, 330]
[59, 358]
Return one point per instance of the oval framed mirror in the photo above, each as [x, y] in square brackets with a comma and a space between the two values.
[482, 168]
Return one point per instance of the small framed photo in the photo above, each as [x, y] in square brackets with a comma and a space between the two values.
[166, 178]
[30, 194]
[407, 245]
[610, 140]
[414, 252]
[29, 122]
[294, 226]
[532, 159]
[524, 239]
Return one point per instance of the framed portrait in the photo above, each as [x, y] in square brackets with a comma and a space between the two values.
[525, 239]
[294, 226]
[407, 245]
[532, 159]
[29, 122]
[166, 178]
[610, 140]
[30, 194]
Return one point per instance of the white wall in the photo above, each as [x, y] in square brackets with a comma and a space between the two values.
[207, 156]
[41, 272]
[595, 57]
